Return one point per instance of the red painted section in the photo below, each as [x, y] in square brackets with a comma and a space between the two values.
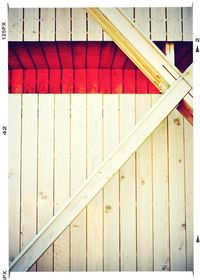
[117, 80]
[9, 80]
[17, 81]
[92, 80]
[104, 81]
[80, 80]
[42, 81]
[67, 81]
[81, 67]
[55, 81]
[129, 80]
[29, 81]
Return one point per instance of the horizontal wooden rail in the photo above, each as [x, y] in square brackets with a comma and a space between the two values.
[51, 231]
[142, 51]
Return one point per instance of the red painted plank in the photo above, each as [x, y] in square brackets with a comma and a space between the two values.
[79, 54]
[92, 80]
[107, 54]
[51, 54]
[65, 53]
[80, 81]
[17, 81]
[117, 80]
[30, 81]
[104, 81]
[152, 88]
[93, 54]
[42, 81]
[9, 80]
[37, 55]
[23, 55]
[141, 82]
[129, 81]
[67, 80]
[119, 59]
[55, 81]
[13, 60]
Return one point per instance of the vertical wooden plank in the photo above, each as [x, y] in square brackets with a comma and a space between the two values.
[45, 172]
[144, 193]
[29, 81]
[79, 80]
[94, 30]
[174, 32]
[128, 12]
[47, 24]
[160, 195]
[127, 189]
[17, 81]
[158, 31]
[141, 82]
[104, 80]
[142, 20]
[187, 23]
[129, 81]
[29, 170]
[14, 146]
[94, 159]
[55, 81]
[62, 175]
[78, 176]
[62, 24]
[67, 80]
[188, 145]
[176, 192]
[42, 81]
[78, 24]
[117, 81]
[111, 190]
[15, 23]
[92, 80]
[31, 24]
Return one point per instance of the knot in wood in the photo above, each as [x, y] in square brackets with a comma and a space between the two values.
[108, 208]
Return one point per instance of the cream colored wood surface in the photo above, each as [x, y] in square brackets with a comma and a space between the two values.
[45, 172]
[111, 190]
[62, 176]
[31, 26]
[14, 138]
[63, 24]
[144, 194]
[95, 32]
[142, 20]
[15, 24]
[174, 30]
[160, 195]
[78, 24]
[187, 23]
[158, 25]
[47, 24]
[127, 190]
[94, 159]
[78, 177]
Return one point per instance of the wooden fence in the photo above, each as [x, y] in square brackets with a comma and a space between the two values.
[61, 24]
[141, 221]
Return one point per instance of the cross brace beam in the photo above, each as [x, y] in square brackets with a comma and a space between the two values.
[51, 231]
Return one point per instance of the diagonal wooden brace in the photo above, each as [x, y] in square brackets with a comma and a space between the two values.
[142, 51]
[51, 231]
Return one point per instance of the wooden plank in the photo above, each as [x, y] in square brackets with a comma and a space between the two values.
[42, 81]
[63, 24]
[141, 82]
[128, 12]
[127, 189]
[78, 176]
[104, 81]
[95, 32]
[55, 81]
[79, 80]
[65, 54]
[51, 55]
[187, 23]
[15, 22]
[31, 24]
[144, 193]
[29, 171]
[62, 176]
[67, 80]
[129, 81]
[160, 195]
[37, 55]
[45, 172]
[23, 55]
[30, 81]
[102, 175]
[174, 32]
[47, 24]
[158, 28]
[142, 20]
[78, 24]
[94, 159]
[188, 147]
[92, 80]
[111, 190]
[14, 153]
[117, 80]
[176, 192]
[17, 81]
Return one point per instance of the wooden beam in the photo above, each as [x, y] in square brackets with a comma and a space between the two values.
[142, 51]
[102, 175]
